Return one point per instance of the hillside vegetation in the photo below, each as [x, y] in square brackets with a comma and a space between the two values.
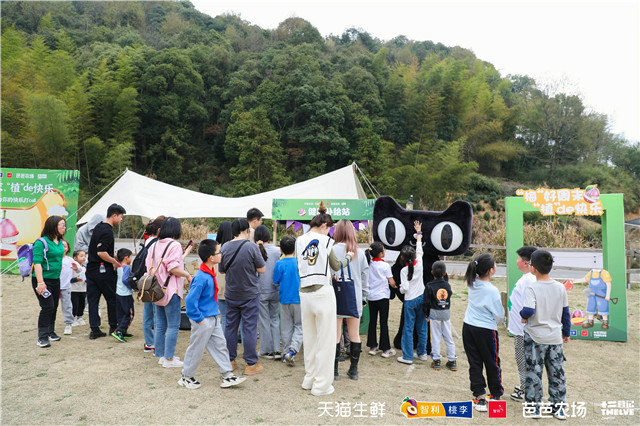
[224, 107]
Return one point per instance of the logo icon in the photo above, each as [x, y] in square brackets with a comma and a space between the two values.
[498, 409]
[415, 409]
[585, 333]
[574, 332]
[9, 175]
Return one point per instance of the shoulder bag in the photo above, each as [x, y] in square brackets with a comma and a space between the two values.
[345, 290]
[150, 289]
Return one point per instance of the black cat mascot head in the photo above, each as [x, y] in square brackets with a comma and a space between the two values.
[445, 233]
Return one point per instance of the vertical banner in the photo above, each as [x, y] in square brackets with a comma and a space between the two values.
[28, 197]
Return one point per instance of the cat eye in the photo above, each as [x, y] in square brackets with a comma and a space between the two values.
[391, 232]
[446, 236]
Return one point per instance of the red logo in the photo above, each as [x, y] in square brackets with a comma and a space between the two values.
[498, 409]
[585, 333]
[9, 175]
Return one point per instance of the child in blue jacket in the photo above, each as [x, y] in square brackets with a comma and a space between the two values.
[206, 326]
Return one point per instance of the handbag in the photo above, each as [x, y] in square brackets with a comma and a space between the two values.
[345, 290]
[150, 289]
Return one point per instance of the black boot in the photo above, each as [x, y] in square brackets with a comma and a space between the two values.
[335, 363]
[356, 348]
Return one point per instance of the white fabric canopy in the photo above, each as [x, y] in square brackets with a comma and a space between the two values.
[143, 196]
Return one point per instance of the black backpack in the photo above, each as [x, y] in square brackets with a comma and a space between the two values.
[138, 266]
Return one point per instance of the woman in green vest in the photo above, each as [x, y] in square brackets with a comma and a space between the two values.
[48, 252]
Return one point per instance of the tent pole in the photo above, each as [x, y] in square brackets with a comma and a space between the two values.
[133, 236]
[275, 229]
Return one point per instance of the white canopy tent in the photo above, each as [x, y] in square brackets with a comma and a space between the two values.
[149, 198]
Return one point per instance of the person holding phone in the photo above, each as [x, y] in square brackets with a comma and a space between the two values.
[48, 252]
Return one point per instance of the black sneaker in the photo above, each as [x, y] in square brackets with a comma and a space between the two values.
[127, 336]
[54, 337]
[95, 334]
[112, 329]
[118, 336]
[277, 355]
[43, 342]
[435, 364]
[452, 365]
[518, 395]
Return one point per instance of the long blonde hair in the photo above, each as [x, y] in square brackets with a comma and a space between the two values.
[346, 233]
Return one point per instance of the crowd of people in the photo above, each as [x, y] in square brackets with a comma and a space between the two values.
[246, 286]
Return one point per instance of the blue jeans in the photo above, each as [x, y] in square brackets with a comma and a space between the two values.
[413, 316]
[147, 323]
[166, 327]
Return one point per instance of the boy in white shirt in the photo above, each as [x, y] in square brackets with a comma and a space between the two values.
[516, 327]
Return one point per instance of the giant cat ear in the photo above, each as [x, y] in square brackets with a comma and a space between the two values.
[389, 223]
[451, 231]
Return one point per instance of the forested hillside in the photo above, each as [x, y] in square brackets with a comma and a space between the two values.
[225, 107]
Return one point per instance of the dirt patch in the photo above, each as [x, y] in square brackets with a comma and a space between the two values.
[78, 381]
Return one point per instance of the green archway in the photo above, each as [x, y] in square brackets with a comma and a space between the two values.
[613, 251]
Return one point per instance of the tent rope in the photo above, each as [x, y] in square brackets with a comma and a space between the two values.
[100, 192]
[367, 182]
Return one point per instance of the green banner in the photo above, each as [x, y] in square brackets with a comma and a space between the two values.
[289, 209]
[28, 198]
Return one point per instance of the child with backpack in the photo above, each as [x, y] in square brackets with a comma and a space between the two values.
[206, 326]
[437, 309]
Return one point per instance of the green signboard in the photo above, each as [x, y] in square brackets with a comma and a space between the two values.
[28, 198]
[288, 209]
[613, 251]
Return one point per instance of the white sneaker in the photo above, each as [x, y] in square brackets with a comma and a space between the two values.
[67, 329]
[161, 360]
[75, 323]
[388, 353]
[174, 363]
[232, 381]
[81, 321]
[404, 360]
[189, 382]
[424, 357]
[373, 351]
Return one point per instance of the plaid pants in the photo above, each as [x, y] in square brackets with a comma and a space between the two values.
[551, 357]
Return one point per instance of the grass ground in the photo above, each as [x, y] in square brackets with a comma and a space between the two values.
[78, 381]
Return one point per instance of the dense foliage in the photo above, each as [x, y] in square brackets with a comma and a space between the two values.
[225, 107]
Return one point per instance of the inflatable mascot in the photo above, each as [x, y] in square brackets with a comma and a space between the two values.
[445, 233]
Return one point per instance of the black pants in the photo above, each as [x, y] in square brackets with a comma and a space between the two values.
[102, 284]
[124, 309]
[379, 306]
[482, 348]
[397, 341]
[48, 306]
[77, 300]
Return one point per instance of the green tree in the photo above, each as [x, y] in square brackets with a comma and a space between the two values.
[254, 145]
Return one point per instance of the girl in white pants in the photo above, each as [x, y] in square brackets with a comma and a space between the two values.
[314, 253]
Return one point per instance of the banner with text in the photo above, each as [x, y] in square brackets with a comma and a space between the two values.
[28, 197]
[292, 209]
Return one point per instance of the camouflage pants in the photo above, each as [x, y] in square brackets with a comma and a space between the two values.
[537, 357]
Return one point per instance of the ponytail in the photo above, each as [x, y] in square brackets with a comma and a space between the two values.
[263, 235]
[408, 253]
[479, 267]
